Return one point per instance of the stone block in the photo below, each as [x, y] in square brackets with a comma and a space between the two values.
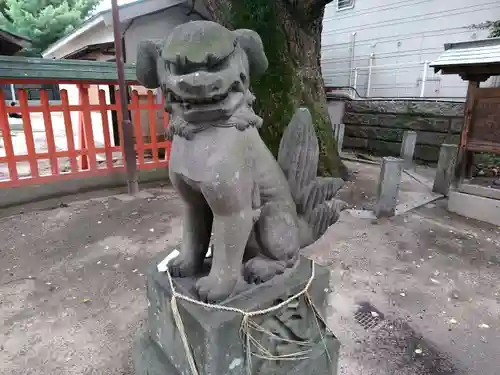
[381, 148]
[336, 110]
[481, 191]
[475, 207]
[445, 169]
[388, 186]
[398, 121]
[215, 338]
[437, 108]
[149, 358]
[396, 135]
[408, 144]
[456, 125]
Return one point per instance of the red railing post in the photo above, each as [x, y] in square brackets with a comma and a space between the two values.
[85, 151]
[68, 127]
[7, 139]
[86, 130]
[152, 126]
[28, 132]
[49, 133]
[105, 129]
[136, 109]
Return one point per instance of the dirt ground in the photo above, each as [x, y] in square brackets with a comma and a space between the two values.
[72, 292]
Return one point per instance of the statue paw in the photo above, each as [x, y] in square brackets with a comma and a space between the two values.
[259, 270]
[182, 267]
[214, 289]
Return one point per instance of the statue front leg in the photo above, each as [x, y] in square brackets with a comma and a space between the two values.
[197, 228]
[233, 221]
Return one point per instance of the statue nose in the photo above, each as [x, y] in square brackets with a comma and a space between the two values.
[200, 84]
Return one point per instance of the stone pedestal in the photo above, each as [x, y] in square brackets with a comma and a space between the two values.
[215, 337]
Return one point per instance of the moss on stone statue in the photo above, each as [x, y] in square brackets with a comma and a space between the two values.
[276, 90]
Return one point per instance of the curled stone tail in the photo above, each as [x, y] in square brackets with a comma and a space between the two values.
[298, 157]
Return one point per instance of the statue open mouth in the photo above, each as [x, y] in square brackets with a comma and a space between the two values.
[206, 108]
[181, 92]
[190, 101]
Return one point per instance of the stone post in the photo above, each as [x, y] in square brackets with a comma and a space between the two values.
[445, 169]
[338, 132]
[408, 148]
[388, 186]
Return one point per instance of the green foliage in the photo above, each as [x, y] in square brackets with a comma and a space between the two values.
[492, 26]
[495, 29]
[44, 21]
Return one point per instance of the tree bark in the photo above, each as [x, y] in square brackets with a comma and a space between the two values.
[291, 33]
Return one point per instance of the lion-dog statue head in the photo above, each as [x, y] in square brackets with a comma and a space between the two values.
[203, 70]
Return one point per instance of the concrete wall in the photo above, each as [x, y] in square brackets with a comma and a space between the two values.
[404, 32]
[378, 126]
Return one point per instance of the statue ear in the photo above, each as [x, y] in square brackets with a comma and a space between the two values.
[251, 43]
[146, 69]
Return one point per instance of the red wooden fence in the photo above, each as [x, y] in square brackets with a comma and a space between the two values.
[77, 159]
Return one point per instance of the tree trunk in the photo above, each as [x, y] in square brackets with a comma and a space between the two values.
[291, 34]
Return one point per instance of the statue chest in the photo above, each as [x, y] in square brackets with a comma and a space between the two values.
[210, 154]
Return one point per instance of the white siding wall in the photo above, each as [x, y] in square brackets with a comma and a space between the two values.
[401, 33]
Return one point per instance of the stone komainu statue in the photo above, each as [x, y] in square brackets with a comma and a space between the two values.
[261, 211]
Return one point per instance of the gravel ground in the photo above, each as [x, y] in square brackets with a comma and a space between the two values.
[72, 292]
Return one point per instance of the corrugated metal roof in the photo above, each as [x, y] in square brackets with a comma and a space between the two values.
[486, 51]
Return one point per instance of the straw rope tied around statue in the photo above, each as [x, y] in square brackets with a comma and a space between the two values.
[247, 324]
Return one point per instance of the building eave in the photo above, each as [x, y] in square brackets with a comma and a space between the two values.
[471, 56]
[127, 12]
[87, 26]
[12, 43]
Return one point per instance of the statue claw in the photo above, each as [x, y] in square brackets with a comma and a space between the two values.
[213, 289]
[259, 270]
[181, 267]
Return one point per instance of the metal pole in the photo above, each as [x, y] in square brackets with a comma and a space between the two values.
[13, 92]
[128, 132]
[424, 79]
[355, 82]
[370, 67]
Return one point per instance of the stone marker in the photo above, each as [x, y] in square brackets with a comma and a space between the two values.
[338, 131]
[445, 169]
[261, 213]
[388, 186]
[408, 148]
